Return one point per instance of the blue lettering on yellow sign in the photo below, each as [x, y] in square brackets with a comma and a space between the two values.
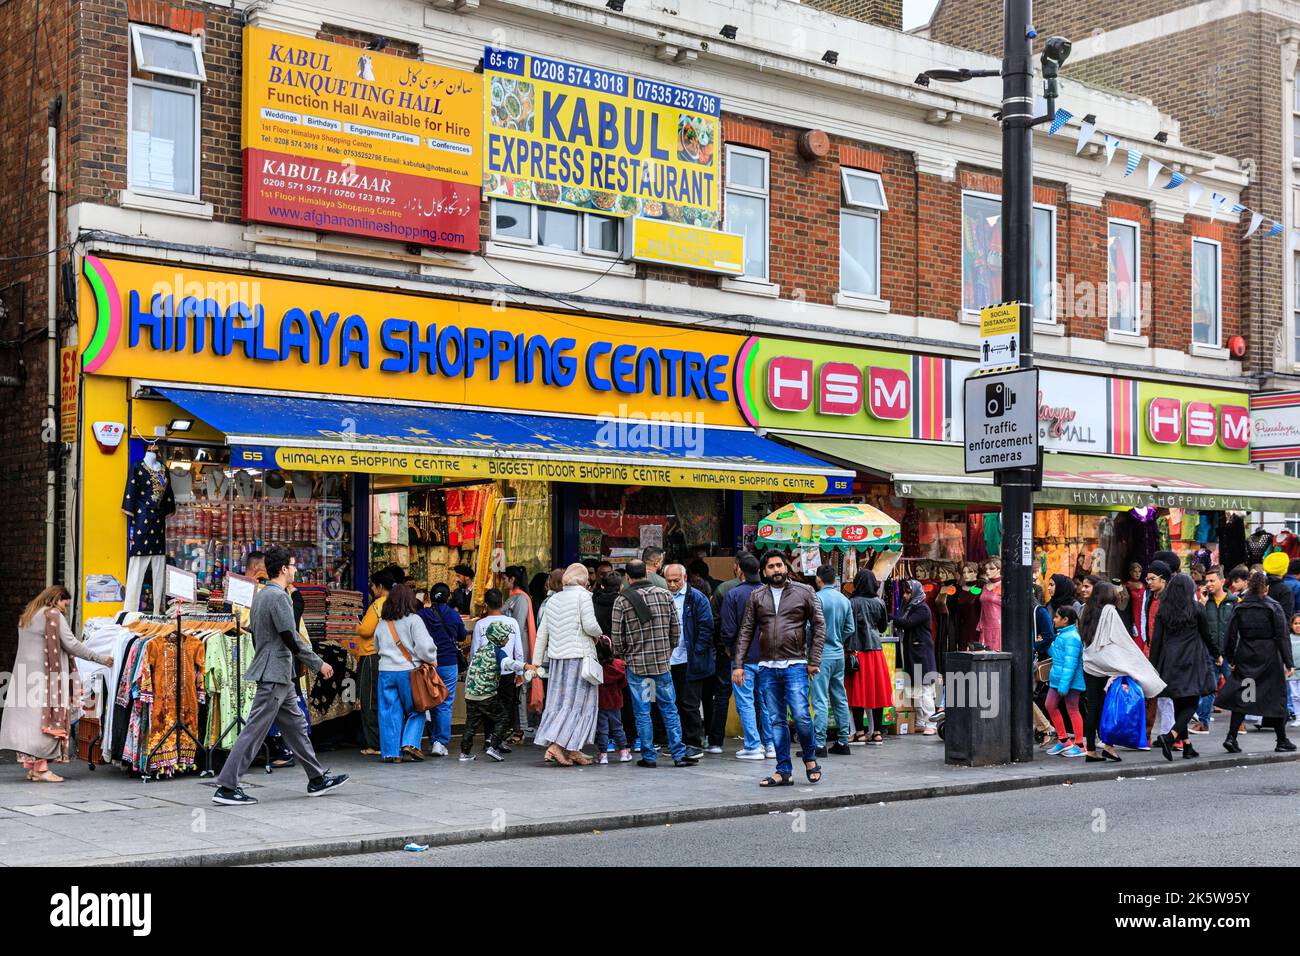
[401, 346]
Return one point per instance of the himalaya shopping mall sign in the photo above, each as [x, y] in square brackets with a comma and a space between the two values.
[183, 325]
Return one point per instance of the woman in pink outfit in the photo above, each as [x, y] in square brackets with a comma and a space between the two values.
[990, 626]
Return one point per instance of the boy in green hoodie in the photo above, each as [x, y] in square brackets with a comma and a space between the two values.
[481, 685]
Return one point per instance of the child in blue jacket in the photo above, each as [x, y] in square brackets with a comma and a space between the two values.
[1066, 682]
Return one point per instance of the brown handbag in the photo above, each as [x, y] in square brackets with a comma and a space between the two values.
[427, 689]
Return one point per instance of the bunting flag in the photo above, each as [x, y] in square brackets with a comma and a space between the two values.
[1059, 120]
[1088, 127]
[1134, 157]
[1153, 170]
[1112, 144]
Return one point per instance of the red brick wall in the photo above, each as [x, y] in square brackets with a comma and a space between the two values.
[886, 13]
[34, 65]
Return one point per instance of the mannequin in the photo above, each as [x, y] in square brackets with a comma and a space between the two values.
[302, 485]
[990, 626]
[182, 482]
[243, 485]
[147, 501]
[1258, 545]
[216, 478]
[273, 485]
[967, 600]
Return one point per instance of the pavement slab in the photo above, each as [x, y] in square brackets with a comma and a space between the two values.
[106, 817]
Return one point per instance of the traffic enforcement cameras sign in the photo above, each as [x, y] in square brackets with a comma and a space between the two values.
[1002, 421]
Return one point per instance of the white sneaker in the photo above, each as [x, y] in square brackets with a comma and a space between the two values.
[466, 758]
[713, 749]
[438, 749]
[771, 752]
[603, 759]
[624, 756]
[494, 754]
[758, 753]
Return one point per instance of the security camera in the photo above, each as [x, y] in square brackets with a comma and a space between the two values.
[1056, 50]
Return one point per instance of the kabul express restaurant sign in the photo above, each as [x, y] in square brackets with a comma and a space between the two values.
[566, 135]
[183, 325]
[340, 139]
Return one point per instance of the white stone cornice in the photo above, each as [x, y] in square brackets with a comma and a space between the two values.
[1086, 192]
[943, 165]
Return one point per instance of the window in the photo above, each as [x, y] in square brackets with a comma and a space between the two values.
[1295, 303]
[862, 202]
[746, 210]
[981, 255]
[163, 148]
[1123, 292]
[1292, 521]
[1295, 120]
[561, 230]
[1205, 292]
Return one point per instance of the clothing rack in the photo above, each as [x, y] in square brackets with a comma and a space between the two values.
[178, 727]
[237, 722]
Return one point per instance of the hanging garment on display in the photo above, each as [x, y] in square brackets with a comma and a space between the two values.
[1232, 542]
[1143, 532]
[1207, 527]
[975, 549]
[993, 533]
[1107, 563]
[182, 484]
[1162, 533]
[222, 657]
[148, 500]
[990, 624]
[1257, 545]
[1288, 542]
[137, 566]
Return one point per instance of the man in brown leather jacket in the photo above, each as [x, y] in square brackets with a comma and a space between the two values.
[785, 618]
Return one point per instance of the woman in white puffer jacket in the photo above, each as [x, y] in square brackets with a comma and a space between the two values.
[565, 638]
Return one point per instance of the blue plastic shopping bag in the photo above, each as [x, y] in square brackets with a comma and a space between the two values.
[1124, 714]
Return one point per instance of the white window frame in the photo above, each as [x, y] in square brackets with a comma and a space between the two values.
[972, 315]
[1217, 338]
[533, 239]
[1295, 124]
[139, 30]
[764, 194]
[1137, 277]
[1295, 307]
[862, 210]
[195, 90]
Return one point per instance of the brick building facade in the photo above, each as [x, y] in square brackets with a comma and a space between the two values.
[929, 147]
[1237, 100]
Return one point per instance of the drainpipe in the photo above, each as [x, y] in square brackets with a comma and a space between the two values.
[52, 333]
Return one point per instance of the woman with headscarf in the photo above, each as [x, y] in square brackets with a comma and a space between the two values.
[1183, 654]
[871, 686]
[43, 692]
[1259, 650]
[914, 621]
[1109, 652]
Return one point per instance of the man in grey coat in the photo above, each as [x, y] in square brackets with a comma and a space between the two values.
[275, 649]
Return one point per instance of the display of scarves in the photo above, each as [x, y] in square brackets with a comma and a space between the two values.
[483, 566]
[524, 526]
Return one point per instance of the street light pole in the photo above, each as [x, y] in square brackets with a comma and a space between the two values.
[1017, 286]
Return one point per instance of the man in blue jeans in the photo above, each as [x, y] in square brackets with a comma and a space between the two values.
[758, 740]
[1218, 609]
[780, 616]
[828, 687]
[646, 629]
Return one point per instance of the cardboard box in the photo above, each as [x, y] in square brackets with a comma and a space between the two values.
[905, 722]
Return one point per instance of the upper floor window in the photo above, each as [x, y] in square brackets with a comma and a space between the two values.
[981, 255]
[1123, 275]
[561, 230]
[163, 149]
[747, 199]
[1206, 299]
[1295, 120]
[863, 199]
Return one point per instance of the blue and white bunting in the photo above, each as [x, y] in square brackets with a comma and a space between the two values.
[1112, 144]
[1134, 158]
[1176, 179]
[1086, 129]
[1238, 209]
[1194, 193]
[1217, 203]
[1058, 121]
[1274, 231]
[1256, 220]
[1153, 171]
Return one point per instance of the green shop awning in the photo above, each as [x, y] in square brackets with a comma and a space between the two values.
[932, 472]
